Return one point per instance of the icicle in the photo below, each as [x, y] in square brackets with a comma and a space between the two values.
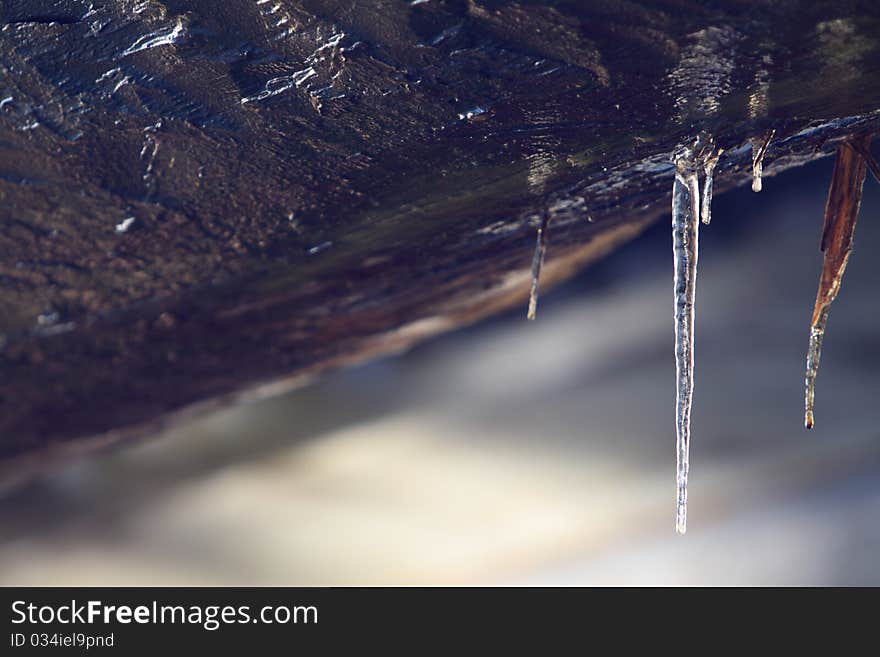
[685, 240]
[817, 332]
[841, 214]
[537, 263]
[759, 148]
[709, 163]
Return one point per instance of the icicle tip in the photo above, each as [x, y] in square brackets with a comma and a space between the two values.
[537, 263]
[533, 309]
[681, 523]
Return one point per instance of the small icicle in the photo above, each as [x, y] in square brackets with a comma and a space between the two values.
[817, 332]
[685, 242]
[537, 263]
[759, 148]
[709, 163]
[841, 214]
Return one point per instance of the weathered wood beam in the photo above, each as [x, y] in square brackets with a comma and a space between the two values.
[198, 199]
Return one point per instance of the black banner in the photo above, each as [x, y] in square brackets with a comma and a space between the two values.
[128, 620]
[329, 620]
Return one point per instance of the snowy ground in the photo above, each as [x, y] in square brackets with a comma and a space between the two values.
[526, 452]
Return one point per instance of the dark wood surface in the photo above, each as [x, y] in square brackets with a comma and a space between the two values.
[200, 200]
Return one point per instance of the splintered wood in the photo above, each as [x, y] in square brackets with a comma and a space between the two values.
[841, 214]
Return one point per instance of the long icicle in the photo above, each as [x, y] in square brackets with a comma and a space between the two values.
[537, 263]
[841, 214]
[685, 245]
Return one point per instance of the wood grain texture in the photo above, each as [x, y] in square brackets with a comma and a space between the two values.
[841, 215]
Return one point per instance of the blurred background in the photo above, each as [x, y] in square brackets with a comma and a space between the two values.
[517, 452]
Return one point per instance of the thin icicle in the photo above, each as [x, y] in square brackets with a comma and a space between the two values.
[817, 332]
[759, 149]
[709, 163]
[537, 263]
[685, 242]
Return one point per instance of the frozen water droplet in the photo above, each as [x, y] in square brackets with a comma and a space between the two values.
[47, 318]
[166, 36]
[537, 263]
[320, 247]
[471, 114]
[125, 224]
[759, 149]
[685, 243]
